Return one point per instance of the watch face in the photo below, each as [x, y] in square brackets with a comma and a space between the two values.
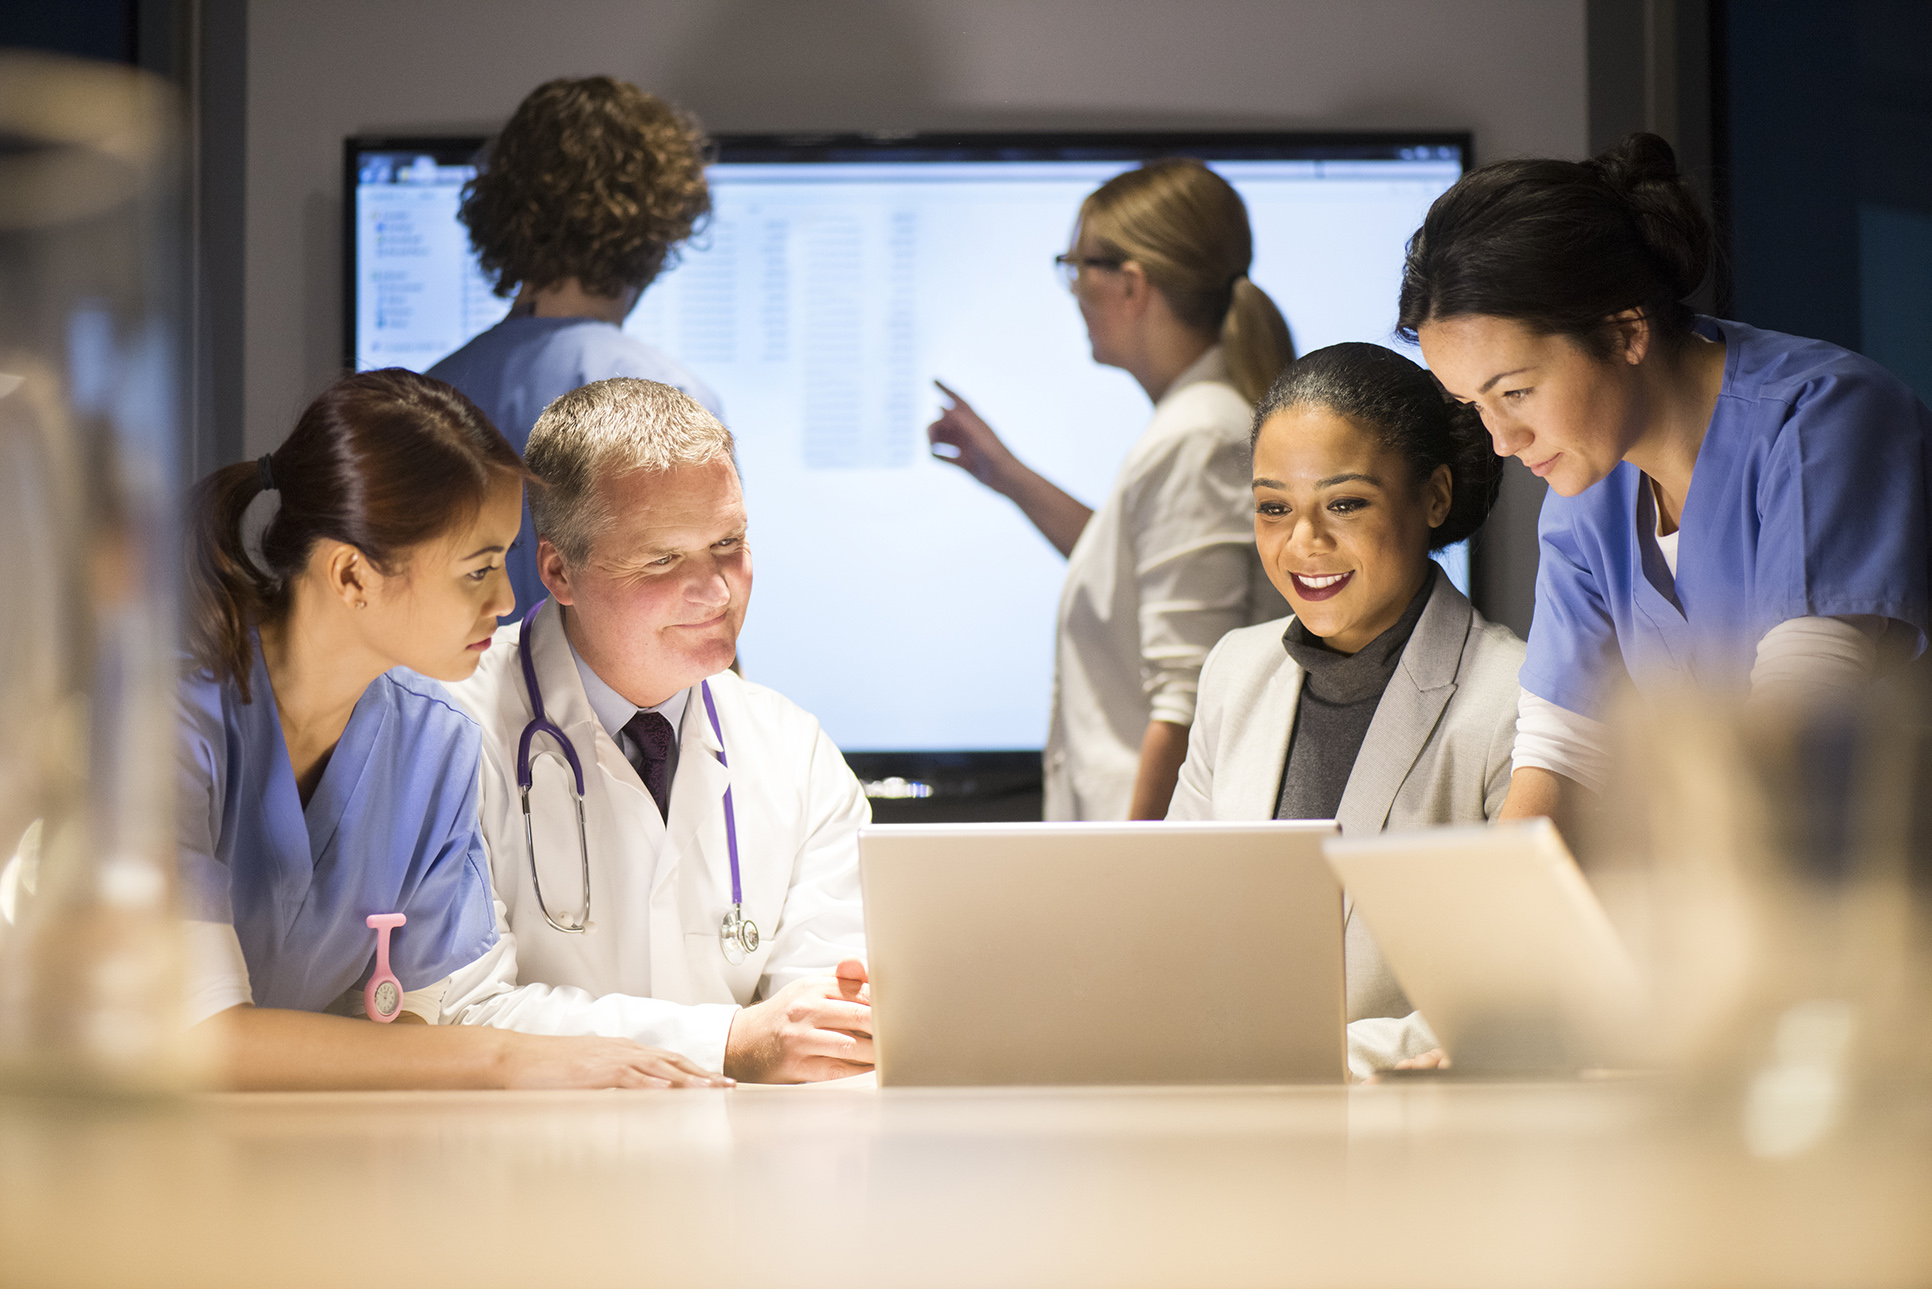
[388, 998]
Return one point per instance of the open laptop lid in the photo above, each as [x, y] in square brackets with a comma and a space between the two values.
[1499, 941]
[1145, 953]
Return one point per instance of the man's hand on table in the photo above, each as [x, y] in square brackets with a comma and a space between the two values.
[814, 1029]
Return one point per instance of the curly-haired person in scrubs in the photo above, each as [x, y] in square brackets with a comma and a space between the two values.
[581, 201]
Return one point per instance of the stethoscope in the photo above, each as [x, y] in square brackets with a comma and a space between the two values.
[737, 934]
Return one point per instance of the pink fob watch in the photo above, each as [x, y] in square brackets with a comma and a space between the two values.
[382, 997]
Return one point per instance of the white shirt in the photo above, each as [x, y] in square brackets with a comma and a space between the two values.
[650, 968]
[614, 712]
[1163, 570]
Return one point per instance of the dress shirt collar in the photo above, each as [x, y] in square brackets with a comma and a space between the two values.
[1211, 365]
[613, 710]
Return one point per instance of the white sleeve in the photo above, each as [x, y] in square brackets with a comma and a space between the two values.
[217, 971]
[1561, 741]
[1804, 656]
[487, 991]
[1378, 1042]
[1813, 656]
[1194, 787]
[824, 915]
[426, 1003]
[1194, 563]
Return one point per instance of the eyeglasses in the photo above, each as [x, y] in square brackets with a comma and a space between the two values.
[1069, 266]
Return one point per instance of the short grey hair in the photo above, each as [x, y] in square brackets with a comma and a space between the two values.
[611, 427]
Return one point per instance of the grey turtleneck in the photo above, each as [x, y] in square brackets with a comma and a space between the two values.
[1339, 695]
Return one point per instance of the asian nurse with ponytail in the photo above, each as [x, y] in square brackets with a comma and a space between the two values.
[324, 776]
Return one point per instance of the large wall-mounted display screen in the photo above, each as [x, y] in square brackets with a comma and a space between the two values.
[909, 608]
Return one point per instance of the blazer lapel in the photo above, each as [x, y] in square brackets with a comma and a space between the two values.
[1421, 687]
[1261, 755]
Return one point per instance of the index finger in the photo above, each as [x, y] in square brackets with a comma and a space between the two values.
[948, 392]
[832, 1013]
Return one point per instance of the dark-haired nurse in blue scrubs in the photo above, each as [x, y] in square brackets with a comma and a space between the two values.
[324, 777]
[1729, 507]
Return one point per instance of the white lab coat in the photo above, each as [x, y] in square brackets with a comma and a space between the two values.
[651, 968]
[1163, 570]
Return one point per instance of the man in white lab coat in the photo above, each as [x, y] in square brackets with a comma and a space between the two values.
[640, 531]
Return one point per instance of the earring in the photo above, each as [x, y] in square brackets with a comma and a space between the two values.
[362, 604]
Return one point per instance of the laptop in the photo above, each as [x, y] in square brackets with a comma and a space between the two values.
[1500, 943]
[1142, 953]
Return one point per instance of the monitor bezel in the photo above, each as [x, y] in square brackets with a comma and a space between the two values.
[958, 780]
[911, 145]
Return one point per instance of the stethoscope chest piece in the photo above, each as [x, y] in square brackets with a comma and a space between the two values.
[737, 936]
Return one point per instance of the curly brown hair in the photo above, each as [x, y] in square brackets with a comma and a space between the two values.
[593, 179]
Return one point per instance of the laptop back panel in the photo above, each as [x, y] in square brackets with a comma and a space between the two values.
[1179, 953]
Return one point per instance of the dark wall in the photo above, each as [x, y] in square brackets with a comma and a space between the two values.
[105, 29]
[1828, 107]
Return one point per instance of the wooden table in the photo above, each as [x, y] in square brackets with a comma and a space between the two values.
[1417, 1183]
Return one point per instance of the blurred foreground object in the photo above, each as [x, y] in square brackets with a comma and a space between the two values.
[90, 233]
[1766, 861]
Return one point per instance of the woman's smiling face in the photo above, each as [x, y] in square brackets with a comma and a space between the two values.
[1342, 524]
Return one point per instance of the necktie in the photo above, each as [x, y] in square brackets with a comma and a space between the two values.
[652, 735]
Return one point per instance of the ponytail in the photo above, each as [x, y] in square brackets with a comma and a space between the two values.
[226, 592]
[1255, 340]
[382, 461]
[1188, 230]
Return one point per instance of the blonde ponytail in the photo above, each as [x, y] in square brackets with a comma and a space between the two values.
[1255, 340]
[1188, 230]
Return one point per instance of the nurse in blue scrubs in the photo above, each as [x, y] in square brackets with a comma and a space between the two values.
[1729, 507]
[325, 776]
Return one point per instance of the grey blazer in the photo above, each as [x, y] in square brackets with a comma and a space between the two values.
[1437, 752]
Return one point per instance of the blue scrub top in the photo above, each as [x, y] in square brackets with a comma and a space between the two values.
[1808, 499]
[391, 829]
[521, 365]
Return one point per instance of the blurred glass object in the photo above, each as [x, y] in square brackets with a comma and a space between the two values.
[1761, 857]
[91, 225]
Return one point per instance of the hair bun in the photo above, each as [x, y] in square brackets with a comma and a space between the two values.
[1636, 160]
[1642, 170]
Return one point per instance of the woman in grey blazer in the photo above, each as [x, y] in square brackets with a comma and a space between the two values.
[1385, 701]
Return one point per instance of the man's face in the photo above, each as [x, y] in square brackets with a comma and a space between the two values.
[658, 603]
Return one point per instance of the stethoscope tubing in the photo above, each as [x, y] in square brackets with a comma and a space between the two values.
[736, 928]
[731, 816]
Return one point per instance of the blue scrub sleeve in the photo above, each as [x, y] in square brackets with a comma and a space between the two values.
[1842, 508]
[452, 921]
[200, 765]
[1573, 652]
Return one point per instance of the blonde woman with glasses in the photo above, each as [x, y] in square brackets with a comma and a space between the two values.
[1166, 566]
